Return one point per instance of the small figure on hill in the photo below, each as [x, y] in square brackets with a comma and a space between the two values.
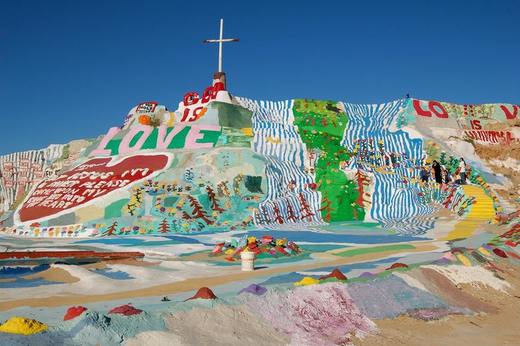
[424, 174]
[462, 171]
[437, 172]
[446, 177]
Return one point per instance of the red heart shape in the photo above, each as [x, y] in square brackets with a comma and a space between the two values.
[89, 181]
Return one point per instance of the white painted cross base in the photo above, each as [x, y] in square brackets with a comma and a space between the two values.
[248, 261]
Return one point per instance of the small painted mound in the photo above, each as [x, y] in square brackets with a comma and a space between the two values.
[22, 325]
[307, 281]
[126, 310]
[335, 274]
[397, 265]
[73, 312]
[254, 289]
[203, 293]
[94, 328]
[265, 247]
[317, 315]
[367, 275]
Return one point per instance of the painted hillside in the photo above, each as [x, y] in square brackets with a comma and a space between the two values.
[221, 162]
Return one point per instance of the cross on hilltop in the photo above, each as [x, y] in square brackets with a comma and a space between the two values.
[220, 41]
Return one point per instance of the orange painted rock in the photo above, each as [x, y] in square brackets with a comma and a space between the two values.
[204, 293]
[126, 310]
[145, 120]
[397, 265]
[336, 273]
[73, 312]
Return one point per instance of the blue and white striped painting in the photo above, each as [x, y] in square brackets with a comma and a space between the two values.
[277, 139]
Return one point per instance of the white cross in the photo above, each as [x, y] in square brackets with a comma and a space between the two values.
[220, 41]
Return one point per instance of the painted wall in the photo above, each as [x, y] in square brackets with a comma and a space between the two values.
[220, 162]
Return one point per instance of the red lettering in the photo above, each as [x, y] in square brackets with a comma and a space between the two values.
[191, 98]
[207, 95]
[438, 109]
[419, 110]
[198, 112]
[475, 125]
[433, 106]
[508, 114]
[185, 114]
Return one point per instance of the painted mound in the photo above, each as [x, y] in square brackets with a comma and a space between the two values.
[223, 163]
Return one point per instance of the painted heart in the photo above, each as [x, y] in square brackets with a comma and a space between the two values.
[87, 182]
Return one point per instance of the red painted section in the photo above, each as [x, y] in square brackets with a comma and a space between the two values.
[500, 252]
[397, 265]
[89, 181]
[336, 273]
[69, 254]
[510, 115]
[204, 293]
[73, 312]
[126, 310]
[434, 107]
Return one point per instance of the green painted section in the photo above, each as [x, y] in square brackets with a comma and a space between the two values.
[170, 201]
[115, 209]
[321, 125]
[376, 249]
[232, 115]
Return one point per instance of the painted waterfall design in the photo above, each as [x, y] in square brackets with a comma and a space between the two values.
[395, 201]
[288, 191]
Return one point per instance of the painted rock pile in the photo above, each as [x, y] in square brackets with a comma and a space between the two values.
[265, 247]
[22, 325]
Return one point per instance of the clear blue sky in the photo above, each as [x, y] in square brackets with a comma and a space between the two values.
[72, 69]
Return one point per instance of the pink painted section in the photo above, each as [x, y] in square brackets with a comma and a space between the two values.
[313, 315]
[100, 150]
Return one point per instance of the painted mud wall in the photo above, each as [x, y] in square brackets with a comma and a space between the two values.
[221, 162]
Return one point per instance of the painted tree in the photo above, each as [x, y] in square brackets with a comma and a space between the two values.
[277, 215]
[362, 180]
[305, 208]
[186, 216]
[110, 231]
[198, 211]
[135, 201]
[326, 208]
[164, 227]
[175, 225]
[236, 184]
[213, 199]
[290, 212]
[259, 217]
[223, 189]
[265, 215]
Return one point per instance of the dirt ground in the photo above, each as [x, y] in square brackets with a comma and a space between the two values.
[494, 328]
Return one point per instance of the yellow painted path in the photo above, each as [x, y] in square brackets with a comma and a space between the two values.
[481, 211]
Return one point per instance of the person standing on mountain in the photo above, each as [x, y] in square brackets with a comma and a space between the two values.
[424, 174]
[437, 172]
[462, 171]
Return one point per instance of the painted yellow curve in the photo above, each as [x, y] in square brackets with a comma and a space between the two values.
[482, 211]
